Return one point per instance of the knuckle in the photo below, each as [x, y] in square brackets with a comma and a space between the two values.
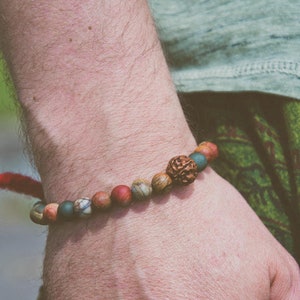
[295, 270]
[294, 279]
[296, 275]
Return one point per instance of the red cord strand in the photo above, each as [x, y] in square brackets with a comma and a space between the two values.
[21, 184]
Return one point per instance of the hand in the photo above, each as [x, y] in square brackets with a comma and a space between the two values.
[204, 242]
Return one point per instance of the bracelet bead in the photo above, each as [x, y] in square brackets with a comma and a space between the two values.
[182, 169]
[65, 211]
[101, 200]
[161, 183]
[209, 150]
[141, 189]
[50, 212]
[83, 208]
[36, 213]
[200, 160]
[121, 195]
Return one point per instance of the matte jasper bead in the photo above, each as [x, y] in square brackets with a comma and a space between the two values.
[182, 169]
[83, 208]
[141, 189]
[200, 160]
[65, 211]
[101, 200]
[36, 214]
[121, 195]
[210, 150]
[50, 212]
[161, 183]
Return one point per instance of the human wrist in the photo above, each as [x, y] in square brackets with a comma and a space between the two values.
[107, 236]
[95, 110]
[98, 144]
[97, 164]
[181, 170]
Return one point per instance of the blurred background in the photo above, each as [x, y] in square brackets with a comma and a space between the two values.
[21, 242]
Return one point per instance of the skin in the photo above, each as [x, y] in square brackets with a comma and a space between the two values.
[100, 110]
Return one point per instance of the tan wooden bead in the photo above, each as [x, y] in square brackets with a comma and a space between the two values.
[161, 183]
[182, 169]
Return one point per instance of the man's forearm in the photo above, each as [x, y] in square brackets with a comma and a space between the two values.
[100, 110]
[95, 90]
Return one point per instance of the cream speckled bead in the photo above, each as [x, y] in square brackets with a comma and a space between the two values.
[161, 183]
[141, 189]
[83, 208]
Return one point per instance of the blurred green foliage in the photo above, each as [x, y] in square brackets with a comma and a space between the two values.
[7, 101]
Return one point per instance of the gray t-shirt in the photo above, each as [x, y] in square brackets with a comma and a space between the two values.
[233, 45]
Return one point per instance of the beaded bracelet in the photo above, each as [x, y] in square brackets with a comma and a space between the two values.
[181, 170]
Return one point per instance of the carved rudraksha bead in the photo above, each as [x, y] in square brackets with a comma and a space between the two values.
[182, 169]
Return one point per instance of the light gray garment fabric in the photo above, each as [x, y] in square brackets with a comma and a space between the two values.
[233, 45]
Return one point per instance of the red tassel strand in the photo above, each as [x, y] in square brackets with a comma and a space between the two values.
[21, 184]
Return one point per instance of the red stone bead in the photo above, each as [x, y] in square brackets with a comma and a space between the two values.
[122, 195]
[209, 150]
[50, 212]
[101, 200]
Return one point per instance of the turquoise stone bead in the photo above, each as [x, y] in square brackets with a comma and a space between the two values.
[65, 211]
[200, 160]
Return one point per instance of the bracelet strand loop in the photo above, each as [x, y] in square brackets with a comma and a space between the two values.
[181, 171]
